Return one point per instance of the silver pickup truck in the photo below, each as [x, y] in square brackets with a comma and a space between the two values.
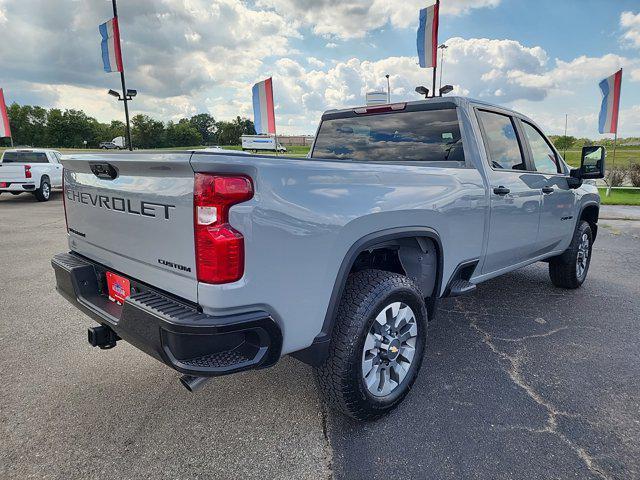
[214, 263]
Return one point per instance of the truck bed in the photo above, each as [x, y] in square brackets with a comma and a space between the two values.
[303, 212]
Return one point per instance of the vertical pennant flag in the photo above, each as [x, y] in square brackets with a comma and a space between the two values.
[5, 128]
[428, 36]
[611, 88]
[111, 54]
[264, 117]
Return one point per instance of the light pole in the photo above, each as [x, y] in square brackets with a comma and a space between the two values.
[442, 47]
[126, 98]
[388, 89]
[125, 93]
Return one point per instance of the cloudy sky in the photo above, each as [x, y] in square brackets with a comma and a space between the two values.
[543, 58]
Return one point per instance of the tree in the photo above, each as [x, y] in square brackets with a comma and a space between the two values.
[206, 126]
[229, 133]
[147, 132]
[564, 142]
[55, 128]
[28, 124]
[39, 127]
[182, 134]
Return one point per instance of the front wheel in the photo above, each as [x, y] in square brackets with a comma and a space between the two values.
[569, 270]
[376, 346]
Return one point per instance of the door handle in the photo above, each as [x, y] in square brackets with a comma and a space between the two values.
[501, 190]
[547, 190]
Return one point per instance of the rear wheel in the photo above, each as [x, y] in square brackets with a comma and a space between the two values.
[376, 346]
[44, 192]
[570, 269]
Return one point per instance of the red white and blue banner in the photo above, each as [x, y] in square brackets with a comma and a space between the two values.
[111, 53]
[611, 88]
[428, 36]
[5, 128]
[264, 117]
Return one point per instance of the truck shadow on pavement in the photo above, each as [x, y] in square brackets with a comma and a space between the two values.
[7, 200]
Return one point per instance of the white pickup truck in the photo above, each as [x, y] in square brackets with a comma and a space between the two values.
[36, 171]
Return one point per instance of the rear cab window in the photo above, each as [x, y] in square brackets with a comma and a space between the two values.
[431, 137]
[25, 157]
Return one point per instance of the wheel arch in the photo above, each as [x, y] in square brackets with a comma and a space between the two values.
[317, 352]
[590, 213]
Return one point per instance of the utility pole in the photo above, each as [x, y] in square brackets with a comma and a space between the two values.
[566, 121]
[125, 97]
[388, 89]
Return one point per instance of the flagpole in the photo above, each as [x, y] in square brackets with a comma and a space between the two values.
[125, 98]
[435, 60]
[615, 144]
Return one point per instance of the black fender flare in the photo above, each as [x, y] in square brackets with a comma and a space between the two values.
[582, 209]
[319, 349]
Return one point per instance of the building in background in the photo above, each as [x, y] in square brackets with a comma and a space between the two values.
[296, 140]
[376, 98]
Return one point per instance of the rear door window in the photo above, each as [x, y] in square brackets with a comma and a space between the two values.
[501, 141]
[25, 157]
[417, 136]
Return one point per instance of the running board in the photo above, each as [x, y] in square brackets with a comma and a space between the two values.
[461, 287]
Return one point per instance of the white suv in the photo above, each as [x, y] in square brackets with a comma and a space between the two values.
[34, 170]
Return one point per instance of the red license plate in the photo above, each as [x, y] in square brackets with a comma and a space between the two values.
[119, 287]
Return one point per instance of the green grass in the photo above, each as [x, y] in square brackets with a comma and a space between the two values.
[620, 196]
[624, 156]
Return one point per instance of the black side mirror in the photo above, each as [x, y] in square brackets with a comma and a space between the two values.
[592, 163]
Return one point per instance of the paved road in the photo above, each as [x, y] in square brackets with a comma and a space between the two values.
[521, 381]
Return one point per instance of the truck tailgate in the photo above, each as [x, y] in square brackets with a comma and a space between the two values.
[133, 213]
[12, 172]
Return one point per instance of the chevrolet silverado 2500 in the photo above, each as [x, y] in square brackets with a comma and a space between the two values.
[214, 263]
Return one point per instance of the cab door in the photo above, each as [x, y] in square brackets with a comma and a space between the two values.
[558, 200]
[56, 169]
[515, 194]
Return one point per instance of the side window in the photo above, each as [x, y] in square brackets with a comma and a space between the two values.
[544, 158]
[501, 141]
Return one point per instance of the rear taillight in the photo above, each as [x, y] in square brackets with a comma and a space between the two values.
[219, 247]
[27, 171]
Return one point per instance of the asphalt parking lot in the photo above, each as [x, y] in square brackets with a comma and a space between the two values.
[521, 380]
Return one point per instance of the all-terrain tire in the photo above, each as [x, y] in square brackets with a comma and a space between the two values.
[340, 377]
[569, 270]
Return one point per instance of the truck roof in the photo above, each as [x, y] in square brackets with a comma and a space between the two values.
[459, 101]
[33, 150]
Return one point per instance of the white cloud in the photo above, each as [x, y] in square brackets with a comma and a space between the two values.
[630, 23]
[354, 18]
[170, 47]
[315, 62]
[331, 45]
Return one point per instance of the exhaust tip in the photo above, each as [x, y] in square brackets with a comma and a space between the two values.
[193, 384]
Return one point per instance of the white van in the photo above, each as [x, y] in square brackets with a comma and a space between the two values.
[261, 142]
